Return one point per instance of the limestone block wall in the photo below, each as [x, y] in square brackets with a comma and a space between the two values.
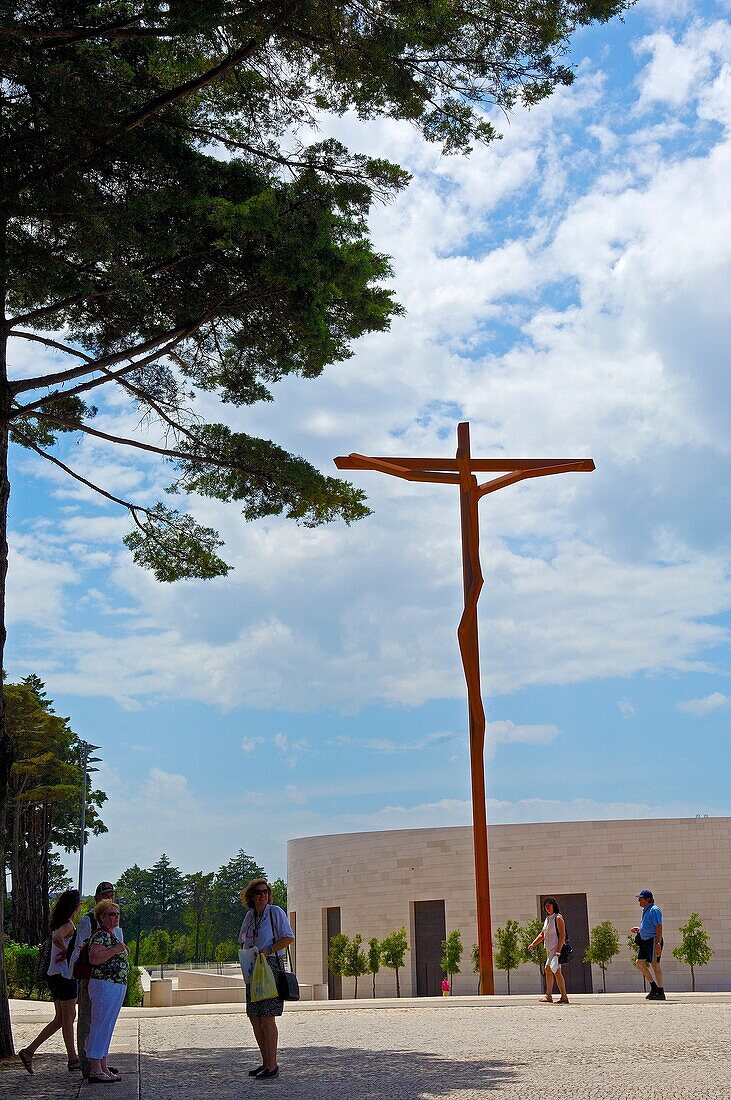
[376, 877]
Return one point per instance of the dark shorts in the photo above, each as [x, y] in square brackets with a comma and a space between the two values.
[62, 989]
[646, 952]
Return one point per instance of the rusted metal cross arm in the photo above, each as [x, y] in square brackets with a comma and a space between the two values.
[477, 465]
[577, 466]
[395, 467]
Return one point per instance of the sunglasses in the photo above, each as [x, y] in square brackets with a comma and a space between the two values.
[264, 893]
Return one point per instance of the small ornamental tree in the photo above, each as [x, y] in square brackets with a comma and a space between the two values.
[508, 954]
[393, 953]
[336, 954]
[226, 951]
[633, 953]
[538, 955]
[603, 946]
[452, 950]
[157, 947]
[695, 948]
[356, 961]
[374, 960]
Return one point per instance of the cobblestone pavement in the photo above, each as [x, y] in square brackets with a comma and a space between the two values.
[590, 1049]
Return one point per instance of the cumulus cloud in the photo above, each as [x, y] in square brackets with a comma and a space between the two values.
[707, 705]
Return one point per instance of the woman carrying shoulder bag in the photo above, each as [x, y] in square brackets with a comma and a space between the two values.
[267, 931]
[553, 937]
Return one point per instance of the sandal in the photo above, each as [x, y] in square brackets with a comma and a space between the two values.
[546, 1000]
[561, 1001]
[27, 1060]
[74, 1064]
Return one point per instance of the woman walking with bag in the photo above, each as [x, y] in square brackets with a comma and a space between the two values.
[62, 985]
[553, 937]
[267, 930]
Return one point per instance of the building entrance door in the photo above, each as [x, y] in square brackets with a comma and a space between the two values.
[332, 925]
[429, 930]
[574, 910]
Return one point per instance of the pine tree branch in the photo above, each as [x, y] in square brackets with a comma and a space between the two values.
[34, 315]
[76, 476]
[90, 365]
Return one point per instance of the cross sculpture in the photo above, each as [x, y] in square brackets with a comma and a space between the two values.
[460, 471]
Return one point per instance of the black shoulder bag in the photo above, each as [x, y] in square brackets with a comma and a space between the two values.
[288, 988]
[567, 950]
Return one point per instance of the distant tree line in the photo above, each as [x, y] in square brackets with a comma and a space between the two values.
[169, 916]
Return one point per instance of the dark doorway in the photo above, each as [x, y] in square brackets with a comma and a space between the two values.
[574, 911]
[334, 981]
[430, 930]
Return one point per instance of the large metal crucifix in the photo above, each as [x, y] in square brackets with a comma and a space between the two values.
[460, 471]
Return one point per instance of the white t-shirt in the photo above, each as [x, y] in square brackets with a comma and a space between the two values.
[61, 966]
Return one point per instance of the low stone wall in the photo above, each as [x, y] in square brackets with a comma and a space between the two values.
[202, 988]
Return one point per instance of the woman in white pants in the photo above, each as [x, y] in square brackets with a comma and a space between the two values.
[109, 960]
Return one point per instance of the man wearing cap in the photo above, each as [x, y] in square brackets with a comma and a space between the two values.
[648, 938]
[87, 926]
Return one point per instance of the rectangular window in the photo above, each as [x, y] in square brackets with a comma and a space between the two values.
[332, 927]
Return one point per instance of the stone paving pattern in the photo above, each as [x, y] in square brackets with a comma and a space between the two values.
[593, 1049]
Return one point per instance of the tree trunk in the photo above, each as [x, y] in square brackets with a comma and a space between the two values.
[30, 912]
[6, 747]
[398, 987]
[374, 985]
[692, 979]
[508, 973]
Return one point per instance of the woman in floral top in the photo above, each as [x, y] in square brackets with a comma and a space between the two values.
[109, 960]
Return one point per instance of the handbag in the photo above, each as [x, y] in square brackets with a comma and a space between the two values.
[82, 966]
[288, 988]
[567, 950]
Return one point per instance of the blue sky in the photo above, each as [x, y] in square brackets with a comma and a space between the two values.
[567, 293]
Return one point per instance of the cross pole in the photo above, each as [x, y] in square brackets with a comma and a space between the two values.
[460, 471]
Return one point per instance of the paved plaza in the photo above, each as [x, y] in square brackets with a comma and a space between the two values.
[597, 1048]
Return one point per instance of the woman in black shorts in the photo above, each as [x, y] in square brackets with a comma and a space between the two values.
[63, 987]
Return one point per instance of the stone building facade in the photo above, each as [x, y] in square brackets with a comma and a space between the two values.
[423, 879]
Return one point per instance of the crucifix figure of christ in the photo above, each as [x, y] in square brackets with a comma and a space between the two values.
[461, 471]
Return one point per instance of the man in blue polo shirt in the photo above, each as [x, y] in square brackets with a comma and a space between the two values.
[650, 943]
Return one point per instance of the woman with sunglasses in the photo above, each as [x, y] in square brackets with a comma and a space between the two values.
[266, 928]
[553, 937]
[109, 958]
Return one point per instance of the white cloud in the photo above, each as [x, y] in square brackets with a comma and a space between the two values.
[508, 733]
[626, 708]
[250, 744]
[707, 705]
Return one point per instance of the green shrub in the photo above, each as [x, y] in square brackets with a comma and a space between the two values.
[20, 969]
[133, 996]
